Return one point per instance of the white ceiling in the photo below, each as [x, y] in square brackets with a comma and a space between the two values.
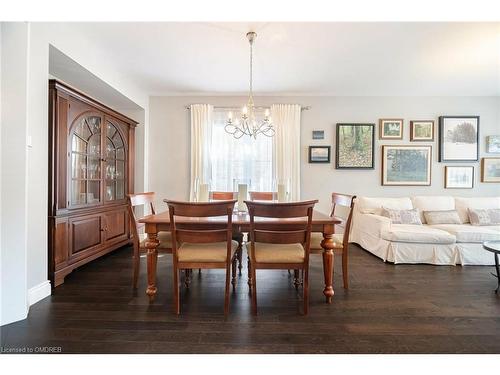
[347, 59]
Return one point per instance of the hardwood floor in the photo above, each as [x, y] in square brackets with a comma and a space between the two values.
[388, 309]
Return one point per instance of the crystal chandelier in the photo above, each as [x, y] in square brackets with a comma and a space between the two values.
[247, 124]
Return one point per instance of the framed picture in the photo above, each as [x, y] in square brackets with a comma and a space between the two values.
[490, 170]
[493, 144]
[406, 165]
[422, 131]
[355, 145]
[458, 177]
[318, 134]
[319, 154]
[459, 138]
[391, 128]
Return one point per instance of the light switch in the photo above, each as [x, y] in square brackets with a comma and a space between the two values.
[29, 142]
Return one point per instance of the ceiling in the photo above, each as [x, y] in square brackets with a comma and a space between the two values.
[346, 59]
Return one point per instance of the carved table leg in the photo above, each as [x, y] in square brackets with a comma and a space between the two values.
[152, 256]
[327, 245]
[187, 277]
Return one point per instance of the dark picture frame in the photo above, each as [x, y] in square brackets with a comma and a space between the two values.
[317, 159]
[339, 146]
[448, 147]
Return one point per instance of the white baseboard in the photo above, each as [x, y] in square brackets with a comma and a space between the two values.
[39, 292]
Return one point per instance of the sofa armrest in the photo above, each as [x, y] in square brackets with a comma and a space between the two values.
[369, 223]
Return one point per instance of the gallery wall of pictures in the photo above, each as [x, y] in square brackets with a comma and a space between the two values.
[458, 138]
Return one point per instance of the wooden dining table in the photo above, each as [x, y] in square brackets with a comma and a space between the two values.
[241, 223]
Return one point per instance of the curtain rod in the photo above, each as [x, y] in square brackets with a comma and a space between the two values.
[302, 108]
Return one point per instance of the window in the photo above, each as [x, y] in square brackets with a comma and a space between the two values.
[245, 159]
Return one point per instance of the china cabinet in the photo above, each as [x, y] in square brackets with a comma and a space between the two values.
[91, 153]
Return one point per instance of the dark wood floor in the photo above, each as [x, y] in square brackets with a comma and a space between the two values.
[388, 309]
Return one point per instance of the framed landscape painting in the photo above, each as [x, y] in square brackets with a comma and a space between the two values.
[422, 131]
[406, 165]
[319, 154]
[459, 138]
[458, 177]
[355, 145]
[493, 144]
[490, 170]
[391, 128]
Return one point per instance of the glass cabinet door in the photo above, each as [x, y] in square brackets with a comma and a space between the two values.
[115, 169]
[85, 164]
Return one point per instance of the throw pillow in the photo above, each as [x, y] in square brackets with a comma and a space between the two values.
[489, 216]
[403, 216]
[442, 217]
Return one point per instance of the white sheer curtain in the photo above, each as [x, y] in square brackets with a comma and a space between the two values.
[286, 163]
[246, 159]
[201, 135]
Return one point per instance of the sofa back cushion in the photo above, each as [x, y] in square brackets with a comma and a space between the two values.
[463, 205]
[433, 203]
[368, 205]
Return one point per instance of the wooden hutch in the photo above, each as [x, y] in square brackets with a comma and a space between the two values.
[91, 169]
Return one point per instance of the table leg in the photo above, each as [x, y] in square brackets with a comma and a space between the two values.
[152, 255]
[497, 266]
[327, 245]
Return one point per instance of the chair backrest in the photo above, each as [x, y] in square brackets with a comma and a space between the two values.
[139, 199]
[344, 200]
[200, 235]
[284, 231]
[262, 195]
[221, 195]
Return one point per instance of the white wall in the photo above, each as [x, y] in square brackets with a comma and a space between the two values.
[169, 141]
[13, 171]
[28, 74]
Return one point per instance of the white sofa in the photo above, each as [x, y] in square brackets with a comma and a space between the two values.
[443, 244]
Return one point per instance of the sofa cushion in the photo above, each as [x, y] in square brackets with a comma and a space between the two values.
[463, 204]
[442, 217]
[417, 234]
[471, 233]
[433, 203]
[367, 205]
[490, 216]
[403, 216]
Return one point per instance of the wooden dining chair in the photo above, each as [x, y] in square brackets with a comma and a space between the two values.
[139, 240]
[202, 248]
[340, 240]
[280, 245]
[237, 236]
[262, 195]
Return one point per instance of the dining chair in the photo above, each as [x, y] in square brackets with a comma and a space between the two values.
[202, 248]
[340, 240]
[262, 195]
[138, 239]
[280, 244]
[237, 236]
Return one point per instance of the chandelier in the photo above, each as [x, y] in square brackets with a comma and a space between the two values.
[246, 123]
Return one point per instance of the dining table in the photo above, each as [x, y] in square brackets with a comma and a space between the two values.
[160, 222]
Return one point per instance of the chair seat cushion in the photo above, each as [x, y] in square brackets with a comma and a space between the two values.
[165, 239]
[316, 239]
[471, 233]
[417, 234]
[279, 253]
[214, 252]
